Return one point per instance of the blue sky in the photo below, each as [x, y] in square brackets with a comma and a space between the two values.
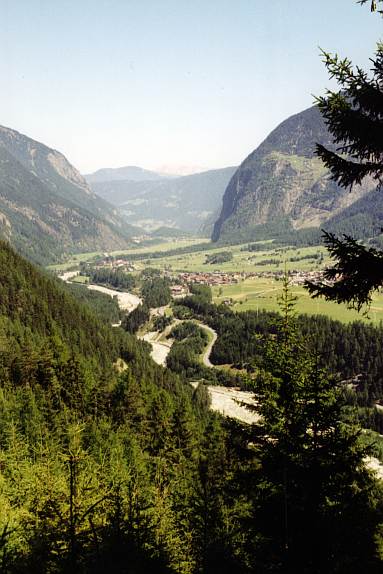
[168, 82]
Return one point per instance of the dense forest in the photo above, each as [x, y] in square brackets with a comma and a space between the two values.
[136, 319]
[103, 305]
[104, 455]
[115, 278]
[155, 291]
[352, 352]
[112, 463]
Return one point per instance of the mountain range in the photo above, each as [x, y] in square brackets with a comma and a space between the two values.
[47, 208]
[128, 172]
[190, 203]
[282, 183]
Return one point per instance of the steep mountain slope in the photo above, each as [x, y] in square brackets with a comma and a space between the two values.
[283, 181]
[88, 420]
[188, 203]
[46, 206]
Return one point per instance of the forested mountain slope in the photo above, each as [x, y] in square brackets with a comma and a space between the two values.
[98, 469]
[283, 182]
[110, 463]
[46, 207]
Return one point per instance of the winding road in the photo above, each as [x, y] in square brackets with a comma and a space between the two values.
[207, 352]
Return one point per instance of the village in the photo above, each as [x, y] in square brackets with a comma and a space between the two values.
[180, 280]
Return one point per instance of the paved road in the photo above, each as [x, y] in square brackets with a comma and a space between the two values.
[206, 355]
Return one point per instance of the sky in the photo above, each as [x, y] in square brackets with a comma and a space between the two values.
[169, 84]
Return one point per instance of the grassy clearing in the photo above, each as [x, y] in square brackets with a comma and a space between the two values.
[252, 293]
[158, 247]
[74, 261]
[80, 279]
[256, 294]
[243, 261]
[260, 293]
[175, 243]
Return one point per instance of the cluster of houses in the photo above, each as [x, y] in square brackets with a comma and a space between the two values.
[300, 277]
[211, 279]
[110, 262]
[179, 291]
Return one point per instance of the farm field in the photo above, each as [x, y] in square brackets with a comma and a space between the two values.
[309, 258]
[252, 293]
[76, 259]
[164, 246]
[258, 293]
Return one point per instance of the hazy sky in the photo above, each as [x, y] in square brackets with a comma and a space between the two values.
[163, 82]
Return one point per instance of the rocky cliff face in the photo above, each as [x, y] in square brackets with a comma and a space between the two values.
[284, 180]
[47, 208]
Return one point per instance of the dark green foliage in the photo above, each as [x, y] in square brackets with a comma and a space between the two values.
[115, 278]
[150, 273]
[351, 352]
[160, 322]
[190, 342]
[136, 318]
[47, 311]
[110, 464]
[156, 292]
[188, 329]
[269, 262]
[261, 246]
[318, 256]
[201, 397]
[201, 292]
[103, 305]
[311, 465]
[280, 231]
[181, 311]
[358, 271]
[221, 257]
[354, 117]
[100, 471]
[185, 356]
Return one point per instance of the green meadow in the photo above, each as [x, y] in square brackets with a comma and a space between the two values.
[256, 294]
[252, 293]
[242, 260]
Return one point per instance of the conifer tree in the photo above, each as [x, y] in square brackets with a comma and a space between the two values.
[314, 494]
[354, 117]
